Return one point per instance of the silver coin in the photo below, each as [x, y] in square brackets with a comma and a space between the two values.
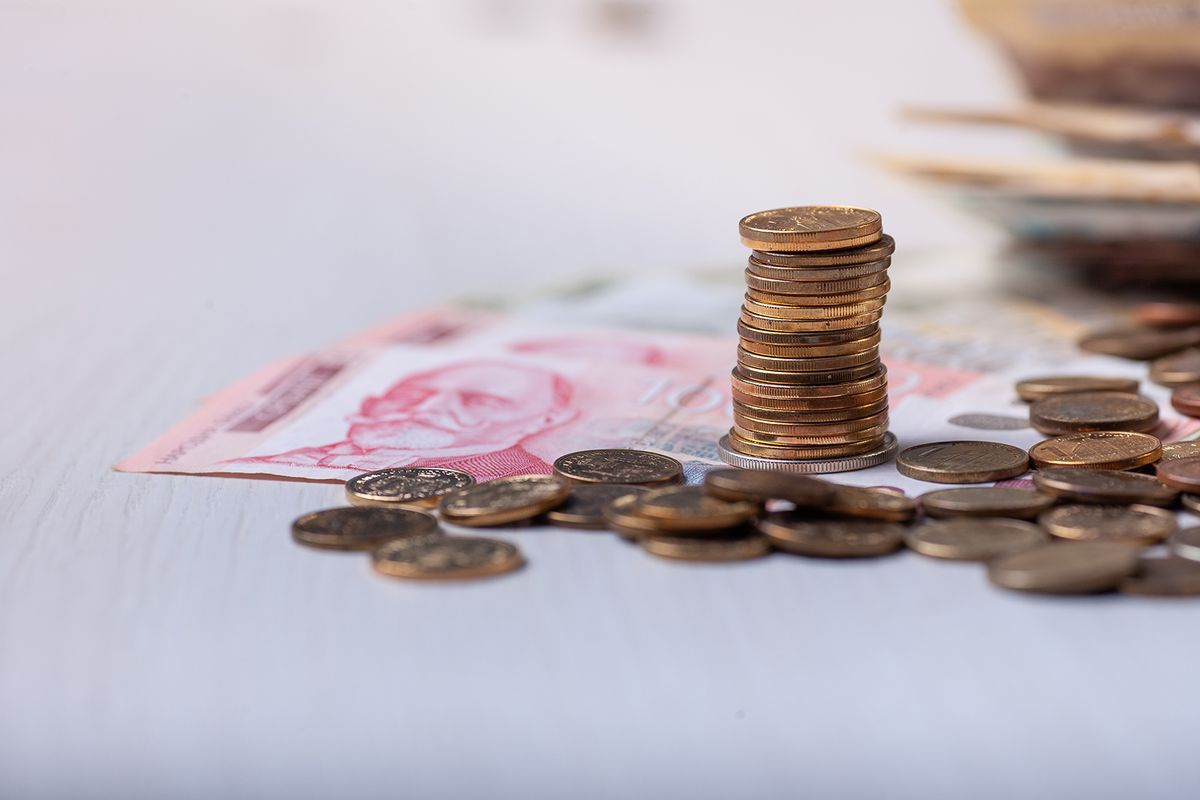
[885, 452]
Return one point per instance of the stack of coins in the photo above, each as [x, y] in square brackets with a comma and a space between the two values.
[809, 391]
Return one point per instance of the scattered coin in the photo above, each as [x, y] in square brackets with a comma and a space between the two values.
[1163, 577]
[1185, 543]
[707, 548]
[989, 422]
[401, 485]
[1191, 502]
[1141, 344]
[1175, 450]
[1178, 369]
[1181, 473]
[1083, 485]
[504, 500]
[618, 466]
[361, 528]
[1136, 524]
[805, 228]
[1093, 411]
[1186, 400]
[690, 508]
[1065, 567]
[985, 501]
[623, 519]
[1166, 314]
[758, 486]
[856, 501]
[585, 507]
[1099, 449]
[974, 539]
[446, 558]
[796, 532]
[1032, 389]
[962, 462]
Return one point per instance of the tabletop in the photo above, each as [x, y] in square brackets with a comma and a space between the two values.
[191, 194]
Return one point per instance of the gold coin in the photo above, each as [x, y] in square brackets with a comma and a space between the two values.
[985, 501]
[446, 558]
[975, 538]
[624, 520]
[1032, 389]
[587, 504]
[359, 528]
[1163, 577]
[748, 415]
[805, 379]
[618, 465]
[1175, 450]
[1093, 411]
[825, 364]
[829, 261]
[792, 453]
[805, 428]
[777, 287]
[810, 325]
[850, 347]
[857, 501]
[805, 405]
[1099, 449]
[811, 312]
[504, 500]
[753, 388]
[690, 508]
[1068, 568]
[1178, 369]
[758, 486]
[962, 462]
[804, 228]
[1084, 485]
[707, 548]
[749, 333]
[873, 434]
[797, 532]
[404, 485]
[1136, 524]
[849, 298]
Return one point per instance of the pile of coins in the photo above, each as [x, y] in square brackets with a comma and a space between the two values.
[809, 390]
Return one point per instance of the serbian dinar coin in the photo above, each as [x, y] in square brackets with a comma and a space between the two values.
[882, 504]
[1084, 485]
[1065, 567]
[689, 508]
[1099, 449]
[1180, 369]
[1182, 474]
[760, 485]
[587, 504]
[446, 557]
[974, 538]
[985, 501]
[1093, 411]
[400, 485]
[1163, 577]
[707, 548]
[618, 465]
[962, 462]
[1032, 389]
[1135, 524]
[504, 500]
[796, 532]
[356, 528]
[1175, 450]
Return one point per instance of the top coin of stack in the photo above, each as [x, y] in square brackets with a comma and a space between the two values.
[809, 391]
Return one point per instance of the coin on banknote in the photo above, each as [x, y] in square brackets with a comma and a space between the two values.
[758, 486]
[1135, 524]
[361, 528]
[1099, 449]
[985, 501]
[1185, 543]
[806, 228]
[585, 507]
[707, 548]
[404, 485]
[1167, 314]
[797, 532]
[1032, 389]
[1177, 369]
[618, 465]
[446, 558]
[691, 508]
[1163, 577]
[812, 466]
[962, 462]
[1065, 567]
[827, 260]
[975, 538]
[1181, 473]
[1186, 400]
[1175, 450]
[1106, 486]
[1140, 344]
[504, 500]
[1093, 411]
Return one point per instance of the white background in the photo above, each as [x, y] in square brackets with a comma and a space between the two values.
[188, 191]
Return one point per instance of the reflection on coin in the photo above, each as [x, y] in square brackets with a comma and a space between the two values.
[974, 539]
[446, 558]
[504, 500]
[796, 532]
[856, 501]
[1083, 485]
[1175, 450]
[618, 466]
[358, 528]
[1093, 411]
[586, 505]
[757, 486]
[1181, 473]
[707, 548]
[1032, 389]
[1186, 400]
[690, 508]
[1135, 524]
[397, 485]
[1065, 567]
[1163, 577]
[985, 501]
[1140, 343]
[1099, 449]
[962, 462]
[1178, 369]
[804, 228]
[1186, 543]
